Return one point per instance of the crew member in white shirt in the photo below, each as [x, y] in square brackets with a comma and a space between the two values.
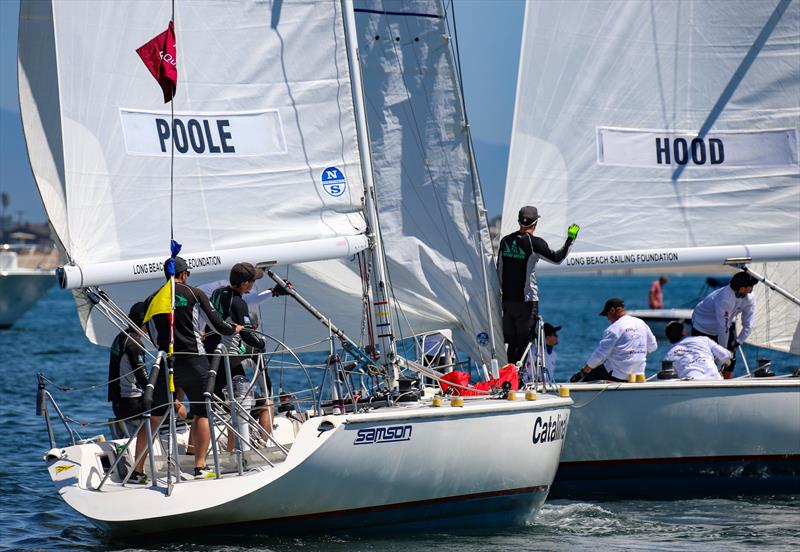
[696, 357]
[623, 348]
[714, 317]
[550, 354]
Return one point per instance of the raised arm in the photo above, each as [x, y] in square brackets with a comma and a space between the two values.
[543, 250]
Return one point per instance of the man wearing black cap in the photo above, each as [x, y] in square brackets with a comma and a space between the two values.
[550, 342]
[516, 269]
[715, 316]
[623, 348]
[191, 364]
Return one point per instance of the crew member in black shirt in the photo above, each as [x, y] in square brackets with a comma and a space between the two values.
[230, 304]
[191, 364]
[516, 268]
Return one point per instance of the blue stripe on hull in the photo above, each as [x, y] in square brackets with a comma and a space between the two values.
[667, 478]
[468, 512]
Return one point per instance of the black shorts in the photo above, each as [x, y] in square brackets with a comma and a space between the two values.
[128, 408]
[191, 374]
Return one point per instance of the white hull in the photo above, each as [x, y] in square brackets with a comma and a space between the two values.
[446, 465]
[20, 288]
[658, 319]
[682, 438]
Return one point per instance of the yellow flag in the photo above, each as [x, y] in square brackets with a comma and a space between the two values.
[161, 303]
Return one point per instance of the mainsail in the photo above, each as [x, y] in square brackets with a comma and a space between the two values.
[93, 114]
[667, 130]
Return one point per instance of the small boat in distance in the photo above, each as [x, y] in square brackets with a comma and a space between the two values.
[23, 280]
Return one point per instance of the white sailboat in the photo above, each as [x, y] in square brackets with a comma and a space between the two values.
[272, 165]
[20, 286]
[669, 132]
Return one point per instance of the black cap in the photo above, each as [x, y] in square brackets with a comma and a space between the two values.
[137, 312]
[244, 272]
[612, 303]
[549, 329]
[674, 331]
[528, 215]
[742, 279]
[180, 266]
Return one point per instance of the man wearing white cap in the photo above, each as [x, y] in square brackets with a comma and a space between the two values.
[516, 268]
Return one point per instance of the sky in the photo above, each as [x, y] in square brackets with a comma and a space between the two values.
[489, 33]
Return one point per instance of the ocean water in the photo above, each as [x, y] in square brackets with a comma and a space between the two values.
[49, 339]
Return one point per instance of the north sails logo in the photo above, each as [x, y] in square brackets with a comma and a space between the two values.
[389, 434]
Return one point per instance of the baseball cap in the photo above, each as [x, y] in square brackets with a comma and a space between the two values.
[528, 215]
[180, 266]
[612, 303]
[244, 272]
[549, 329]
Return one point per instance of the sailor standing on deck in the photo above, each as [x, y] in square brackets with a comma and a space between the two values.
[191, 364]
[516, 269]
[715, 316]
[623, 348]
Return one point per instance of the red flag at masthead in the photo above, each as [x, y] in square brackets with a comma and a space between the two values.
[160, 58]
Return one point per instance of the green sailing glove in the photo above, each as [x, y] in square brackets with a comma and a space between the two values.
[572, 231]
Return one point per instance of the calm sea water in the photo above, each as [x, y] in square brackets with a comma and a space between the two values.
[49, 339]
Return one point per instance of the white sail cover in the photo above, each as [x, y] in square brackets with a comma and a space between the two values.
[659, 125]
[263, 107]
[777, 319]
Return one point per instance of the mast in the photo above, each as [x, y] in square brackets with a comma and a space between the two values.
[380, 279]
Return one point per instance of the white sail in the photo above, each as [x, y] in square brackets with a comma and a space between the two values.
[424, 188]
[80, 120]
[260, 122]
[659, 126]
[777, 319]
[268, 120]
[422, 171]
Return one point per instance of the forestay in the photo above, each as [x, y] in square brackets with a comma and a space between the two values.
[665, 129]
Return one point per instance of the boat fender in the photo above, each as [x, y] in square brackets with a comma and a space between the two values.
[457, 402]
[437, 401]
[530, 395]
[667, 371]
[563, 392]
[511, 396]
[764, 369]
[54, 454]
